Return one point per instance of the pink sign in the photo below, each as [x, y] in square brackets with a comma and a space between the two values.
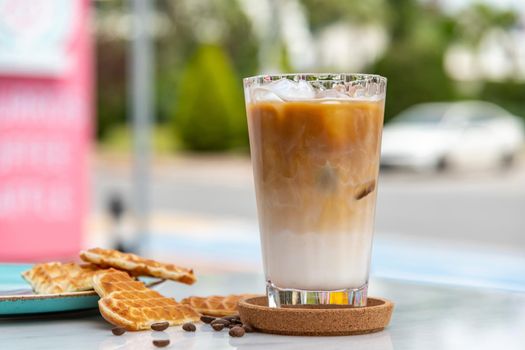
[45, 127]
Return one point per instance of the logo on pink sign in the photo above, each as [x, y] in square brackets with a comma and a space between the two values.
[45, 127]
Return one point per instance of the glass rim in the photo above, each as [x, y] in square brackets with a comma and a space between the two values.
[347, 77]
[325, 86]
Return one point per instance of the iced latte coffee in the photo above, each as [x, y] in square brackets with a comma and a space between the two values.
[315, 147]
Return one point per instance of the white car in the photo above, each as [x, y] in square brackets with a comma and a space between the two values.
[437, 136]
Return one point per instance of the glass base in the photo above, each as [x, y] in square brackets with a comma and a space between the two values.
[278, 297]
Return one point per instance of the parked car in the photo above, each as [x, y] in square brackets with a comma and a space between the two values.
[437, 136]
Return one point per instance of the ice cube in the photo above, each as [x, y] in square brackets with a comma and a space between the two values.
[332, 94]
[327, 178]
[262, 94]
[287, 89]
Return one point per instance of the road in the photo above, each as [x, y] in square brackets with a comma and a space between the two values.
[463, 208]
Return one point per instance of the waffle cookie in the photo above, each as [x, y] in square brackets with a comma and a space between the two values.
[56, 277]
[127, 303]
[216, 305]
[137, 265]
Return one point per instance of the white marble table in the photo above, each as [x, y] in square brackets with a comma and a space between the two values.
[426, 317]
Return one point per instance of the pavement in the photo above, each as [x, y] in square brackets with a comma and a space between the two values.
[461, 227]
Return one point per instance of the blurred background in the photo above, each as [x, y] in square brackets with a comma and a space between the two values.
[122, 124]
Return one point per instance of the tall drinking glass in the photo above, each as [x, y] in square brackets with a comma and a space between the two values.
[315, 144]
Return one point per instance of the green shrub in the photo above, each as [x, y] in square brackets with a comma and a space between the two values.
[210, 109]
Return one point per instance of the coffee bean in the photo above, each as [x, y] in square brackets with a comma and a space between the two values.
[207, 319]
[118, 330]
[189, 327]
[217, 327]
[221, 321]
[236, 331]
[247, 328]
[232, 318]
[161, 343]
[160, 326]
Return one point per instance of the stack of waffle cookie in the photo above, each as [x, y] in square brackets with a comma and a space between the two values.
[125, 301]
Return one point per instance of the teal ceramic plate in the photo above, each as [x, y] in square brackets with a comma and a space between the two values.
[17, 298]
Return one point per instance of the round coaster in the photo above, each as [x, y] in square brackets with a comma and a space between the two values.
[315, 320]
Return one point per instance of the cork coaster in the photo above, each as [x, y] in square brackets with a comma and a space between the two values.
[316, 320]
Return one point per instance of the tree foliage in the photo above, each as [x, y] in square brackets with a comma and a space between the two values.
[413, 62]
